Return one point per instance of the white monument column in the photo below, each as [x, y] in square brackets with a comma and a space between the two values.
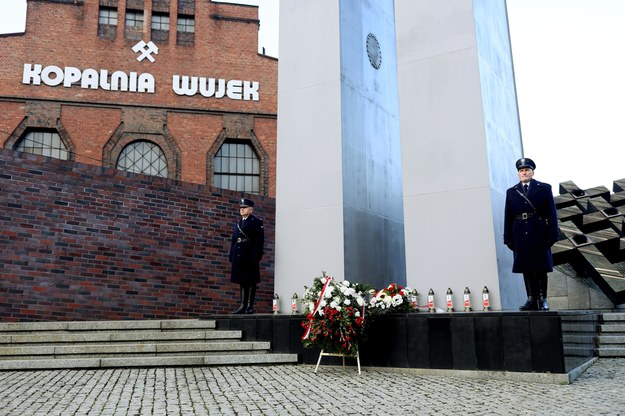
[460, 139]
[339, 202]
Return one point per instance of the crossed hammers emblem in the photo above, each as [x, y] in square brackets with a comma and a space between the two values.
[147, 49]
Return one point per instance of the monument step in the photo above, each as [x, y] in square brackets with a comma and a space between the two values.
[165, 361]
[133, 348]
[117, 336]
[163, 325]
[613, 317]
[612, 327]
[611, 352]
[578, 338]
[134, 355]
[611, 339]
[103, 344]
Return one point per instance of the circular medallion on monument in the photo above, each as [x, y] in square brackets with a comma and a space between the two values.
[373, 51]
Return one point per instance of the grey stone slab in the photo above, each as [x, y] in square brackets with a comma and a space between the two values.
[107, 348]
[113, 325]
[49, 364]
[547, 378]
[239, 359]
[598, 300]
[151, 361]
[62, 338]
[579, 297]
[611, 339]
[578, 339]
[612, 327]
[613, 316]
[153, 336]
[32, 326]
[558, 303]
[214, 335]
[38, 350]
[611, 352]
[188, 324]
[213, 346]
[557, 284]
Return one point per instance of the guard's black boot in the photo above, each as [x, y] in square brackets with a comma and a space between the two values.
[242, 307]
[531, 304]
[250, 305]
[542, 294]
[543, 305]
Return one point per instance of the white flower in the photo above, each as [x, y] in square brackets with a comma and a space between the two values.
[360, 301]
[311, 306]
[323, 303]
[397, 300]
[357, 314]
[324, 280]
[347, 302]
[334, 304]
[338, 308]
[345, 282]
[343, 289]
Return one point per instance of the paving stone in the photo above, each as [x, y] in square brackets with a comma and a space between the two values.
[297, 390]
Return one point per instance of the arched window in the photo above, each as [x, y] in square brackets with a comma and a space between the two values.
[143, 156]
[237, 167]
[45, 143]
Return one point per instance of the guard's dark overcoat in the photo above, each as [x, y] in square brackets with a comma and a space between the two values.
[246, 251]
[531, 239]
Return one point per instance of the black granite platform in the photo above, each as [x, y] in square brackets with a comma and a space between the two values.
[546, 342]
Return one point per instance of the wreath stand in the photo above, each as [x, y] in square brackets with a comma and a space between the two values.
[332, 354]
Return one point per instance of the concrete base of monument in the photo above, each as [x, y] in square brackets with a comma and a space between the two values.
[556, 346]
[546, 378]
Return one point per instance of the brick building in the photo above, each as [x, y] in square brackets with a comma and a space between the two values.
[94, 96]
[171, 88]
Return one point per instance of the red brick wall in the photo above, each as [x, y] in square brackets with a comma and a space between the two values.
[66, 34]
[197, 133]
[90, 129]
[80, 242]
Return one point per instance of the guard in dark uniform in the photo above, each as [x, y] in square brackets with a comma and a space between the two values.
[246, 251]
[530, 229]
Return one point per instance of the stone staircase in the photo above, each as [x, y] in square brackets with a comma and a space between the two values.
[611, 340]
[111, 344]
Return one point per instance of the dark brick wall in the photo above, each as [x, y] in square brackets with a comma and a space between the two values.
[81, 242]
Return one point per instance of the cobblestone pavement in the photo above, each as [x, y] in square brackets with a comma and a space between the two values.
[296, 390]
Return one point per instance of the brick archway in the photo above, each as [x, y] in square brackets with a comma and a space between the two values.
[256, 146]
[28, 125]
[120, 139]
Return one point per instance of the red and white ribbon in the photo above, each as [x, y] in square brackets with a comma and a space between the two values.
[317, 307]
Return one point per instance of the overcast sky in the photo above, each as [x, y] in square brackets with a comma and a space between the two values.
[569, 60]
